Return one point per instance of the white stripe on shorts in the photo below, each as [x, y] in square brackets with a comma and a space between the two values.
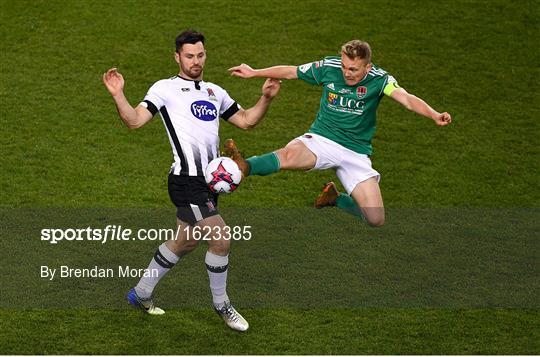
[197, 212]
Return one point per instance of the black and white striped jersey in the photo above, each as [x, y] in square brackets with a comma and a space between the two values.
[190, 111]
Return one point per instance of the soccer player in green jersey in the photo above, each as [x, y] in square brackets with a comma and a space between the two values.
[340, 137]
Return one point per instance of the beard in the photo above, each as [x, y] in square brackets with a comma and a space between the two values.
[192, 72]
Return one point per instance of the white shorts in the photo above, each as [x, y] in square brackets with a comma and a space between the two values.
[351, 167]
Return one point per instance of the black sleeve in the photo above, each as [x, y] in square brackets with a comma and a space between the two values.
[151, 107]
[230, 112]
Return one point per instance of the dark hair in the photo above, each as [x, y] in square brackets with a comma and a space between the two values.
[188, 36]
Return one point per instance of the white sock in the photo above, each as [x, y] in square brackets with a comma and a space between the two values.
[163, 261]
[217, 267]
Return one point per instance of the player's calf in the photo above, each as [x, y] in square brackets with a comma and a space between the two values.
[330, 196]
[182, 245]
[217, 267]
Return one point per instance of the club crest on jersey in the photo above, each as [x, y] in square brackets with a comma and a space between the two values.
[211, 95]
[361, 92]
[204, 110]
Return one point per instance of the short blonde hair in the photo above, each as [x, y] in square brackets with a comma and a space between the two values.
[357, 49]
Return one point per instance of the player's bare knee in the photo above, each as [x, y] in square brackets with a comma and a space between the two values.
[284, 156]
[375, 223]
[191, 244]
[182, 246]
[291, 157]
[219, 249]
[374, 217]
[375, 220]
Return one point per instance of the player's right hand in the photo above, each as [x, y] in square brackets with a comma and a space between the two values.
[114, 81]
[242, 71]
[443, 119]
[271, 88]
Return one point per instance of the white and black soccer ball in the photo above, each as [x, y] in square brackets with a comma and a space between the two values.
[223, 175]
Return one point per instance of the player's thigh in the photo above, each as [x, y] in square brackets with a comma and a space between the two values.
[219, 242]
[368, 197]
[296, 156]
[184, 241]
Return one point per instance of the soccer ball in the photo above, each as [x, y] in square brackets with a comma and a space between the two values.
[223, 175]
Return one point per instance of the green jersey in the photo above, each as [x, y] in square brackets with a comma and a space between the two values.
[347, 113]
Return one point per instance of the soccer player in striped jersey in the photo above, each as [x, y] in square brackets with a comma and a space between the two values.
[190, 109]
[340, 137]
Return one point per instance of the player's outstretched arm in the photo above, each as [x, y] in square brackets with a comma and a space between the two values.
[278, 72]
[419, 106]
[132, 117]
[249, 118]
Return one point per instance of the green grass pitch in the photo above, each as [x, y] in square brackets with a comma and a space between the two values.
[462, 200]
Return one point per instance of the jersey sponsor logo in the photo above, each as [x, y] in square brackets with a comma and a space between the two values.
[331, 86]
[361, 92]
[305, 67]
[345, 105]
[332, 98]
[345, 91]
[204, 110]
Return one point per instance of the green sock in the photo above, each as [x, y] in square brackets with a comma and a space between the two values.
[346, 203]
[263, 165]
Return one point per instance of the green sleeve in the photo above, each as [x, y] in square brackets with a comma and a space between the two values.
[311, 72]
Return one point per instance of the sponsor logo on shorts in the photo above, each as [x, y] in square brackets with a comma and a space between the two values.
[210, 206]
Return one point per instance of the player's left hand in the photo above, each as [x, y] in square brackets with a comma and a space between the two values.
[271, 88]
[443, 119]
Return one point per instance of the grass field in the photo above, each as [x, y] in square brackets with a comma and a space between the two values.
[454, 271]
